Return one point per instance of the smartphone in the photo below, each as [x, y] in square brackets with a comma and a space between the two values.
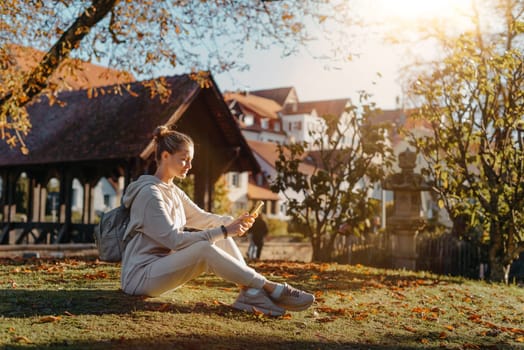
[257, 208]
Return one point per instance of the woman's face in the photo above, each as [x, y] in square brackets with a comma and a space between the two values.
[179, 162]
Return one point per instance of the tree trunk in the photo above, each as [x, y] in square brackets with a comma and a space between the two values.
[321, 250]
[322, 255]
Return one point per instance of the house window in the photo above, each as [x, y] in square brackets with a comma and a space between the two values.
[260, 179]
[289, 126]
[235, 180]
[274, 207]
[276, 126]
[283, 208]
[297, 125]
[264, 123]
[106, 200]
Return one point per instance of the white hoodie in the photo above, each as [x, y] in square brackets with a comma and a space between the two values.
[159, 213]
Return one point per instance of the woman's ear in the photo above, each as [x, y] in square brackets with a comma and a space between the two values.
[165, 155]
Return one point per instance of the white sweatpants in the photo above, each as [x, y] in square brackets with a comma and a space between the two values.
[222, 258]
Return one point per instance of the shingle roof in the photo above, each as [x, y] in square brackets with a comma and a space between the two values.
[326, 107]
[257, 192]
[259, 105]
[279, 95]
[269, 152]
[113, 126]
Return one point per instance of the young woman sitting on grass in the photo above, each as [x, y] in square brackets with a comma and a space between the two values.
[162, 256]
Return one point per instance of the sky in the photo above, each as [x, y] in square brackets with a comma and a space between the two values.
[316, 79]
[376, 70]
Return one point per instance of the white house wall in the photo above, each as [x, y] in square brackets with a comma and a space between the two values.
[270, 172]
[102, 188]
[307, 122]
[343, 124]
[237, 192]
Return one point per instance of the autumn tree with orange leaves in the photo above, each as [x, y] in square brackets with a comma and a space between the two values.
[144, 37]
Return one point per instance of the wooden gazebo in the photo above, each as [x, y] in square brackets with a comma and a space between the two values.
[86, 138]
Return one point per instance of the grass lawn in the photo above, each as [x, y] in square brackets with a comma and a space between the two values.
[76, 304]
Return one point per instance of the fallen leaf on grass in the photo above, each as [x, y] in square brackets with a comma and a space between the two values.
[96, 276]
[48, 319]
[409, 329]
[288, 275]
[519, 340]
[516, 330]
[420, 310]
[398, 295]
[162, 308]
[443, 335]
[475, 318]
[323, 267]
[22, 339]
[449, 327]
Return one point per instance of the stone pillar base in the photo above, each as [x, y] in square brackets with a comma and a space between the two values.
[404, 250]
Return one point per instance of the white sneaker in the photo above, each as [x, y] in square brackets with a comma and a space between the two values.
[294, 299]
[256, 300]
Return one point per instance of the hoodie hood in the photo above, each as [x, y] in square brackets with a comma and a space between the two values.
[136, 186]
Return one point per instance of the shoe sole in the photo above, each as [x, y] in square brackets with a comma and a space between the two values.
[253, 309]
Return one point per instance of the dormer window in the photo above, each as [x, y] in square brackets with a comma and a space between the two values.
[264, 123]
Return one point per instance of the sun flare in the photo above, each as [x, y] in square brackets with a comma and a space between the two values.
[417, 10]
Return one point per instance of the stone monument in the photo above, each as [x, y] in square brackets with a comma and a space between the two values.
[405, 222]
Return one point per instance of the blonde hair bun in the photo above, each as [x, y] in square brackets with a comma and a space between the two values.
[160, 132]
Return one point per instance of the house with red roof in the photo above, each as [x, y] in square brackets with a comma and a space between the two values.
[277, 116]
[270, 117]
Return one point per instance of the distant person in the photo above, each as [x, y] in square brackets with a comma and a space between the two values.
[161, 255]
[258, 232]
[252, 248]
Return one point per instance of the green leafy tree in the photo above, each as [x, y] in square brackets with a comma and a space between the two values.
[221, 202]
[350, 156]
[474, 100]
[145, 36]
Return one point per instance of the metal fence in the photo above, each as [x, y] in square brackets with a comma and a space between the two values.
[448, 255]
[444, 254]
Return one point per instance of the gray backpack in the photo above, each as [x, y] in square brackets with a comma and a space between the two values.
[109, 234]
